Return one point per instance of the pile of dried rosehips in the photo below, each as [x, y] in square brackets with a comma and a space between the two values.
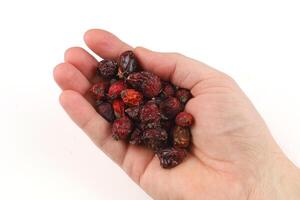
[143, 109]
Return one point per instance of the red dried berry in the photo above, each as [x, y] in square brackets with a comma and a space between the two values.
[119, 108]
[184, 119]
[121, 128]
[181, 136]
[171, 157]
[131, 97]
[98, 90]
[133, 112]
[183, 95]
[106, 111]
[148, 83]
[127, 64]
[168, 90]
[170, 107]
[149, 113]
[107, 68]
[155, 138]
[115, 89]
[136, 137]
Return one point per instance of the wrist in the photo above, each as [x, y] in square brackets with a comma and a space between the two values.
[281, 180]
[289, 184]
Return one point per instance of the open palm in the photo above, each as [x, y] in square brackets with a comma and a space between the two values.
[230, 140]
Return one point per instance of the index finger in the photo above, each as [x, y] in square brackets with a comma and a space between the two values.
[105, 44]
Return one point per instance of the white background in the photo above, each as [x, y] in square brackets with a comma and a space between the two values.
[45, 156]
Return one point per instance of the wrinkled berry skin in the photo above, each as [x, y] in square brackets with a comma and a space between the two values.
[115, 89]
[131, 97]
[119, 108]
[136, 137]
[184, 119]
[146, 82]
[171, 157]
[106, 111]
[143, 109]
[107, 69]
[121, 128]
[181, 137]
[170, 107]
[150, 125]
[167, 125]
[133, 112]
[168, 90]
[98, 90]
[183, 95]
[155, 138]
[127, 64]
[149, 113]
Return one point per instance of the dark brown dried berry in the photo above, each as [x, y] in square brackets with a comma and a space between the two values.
[149, 113]
[119, 108]
[171, 157]
[131, 97]
[183, 95]
[149, 125]
[148, 83]
[107, 68]
[155, 138]
[99, 89]
[181, 136]
[168, 90]
[98, 102]
[136, 137]
[127, 64]
[170, 107]
[106, 111]
[133, 112]
[184, 119]
[167, 125]
[115, 89]
[121, 128]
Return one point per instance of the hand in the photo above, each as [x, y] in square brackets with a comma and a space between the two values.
[233, 155]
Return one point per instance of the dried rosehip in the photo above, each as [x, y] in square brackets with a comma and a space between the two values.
[131, 97]
[167, 125]
[168, 90]
[149, 125]
[136, 137]
[148, 83]
[171, 157]
[119, 108]
[115, 89]
[149, 113]
[133, 112]
[170, 107]
[183, 95]
[121, 128]
[98, 102]
[184, 119]
[127, 64]
[142, 108]
[181, 136]
[106, 111]
[155, 138]
[99, 89]
[107, 68]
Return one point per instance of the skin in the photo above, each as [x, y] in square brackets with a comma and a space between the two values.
[233, 154]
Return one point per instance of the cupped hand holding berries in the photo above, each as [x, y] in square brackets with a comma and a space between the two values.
[232, 154]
